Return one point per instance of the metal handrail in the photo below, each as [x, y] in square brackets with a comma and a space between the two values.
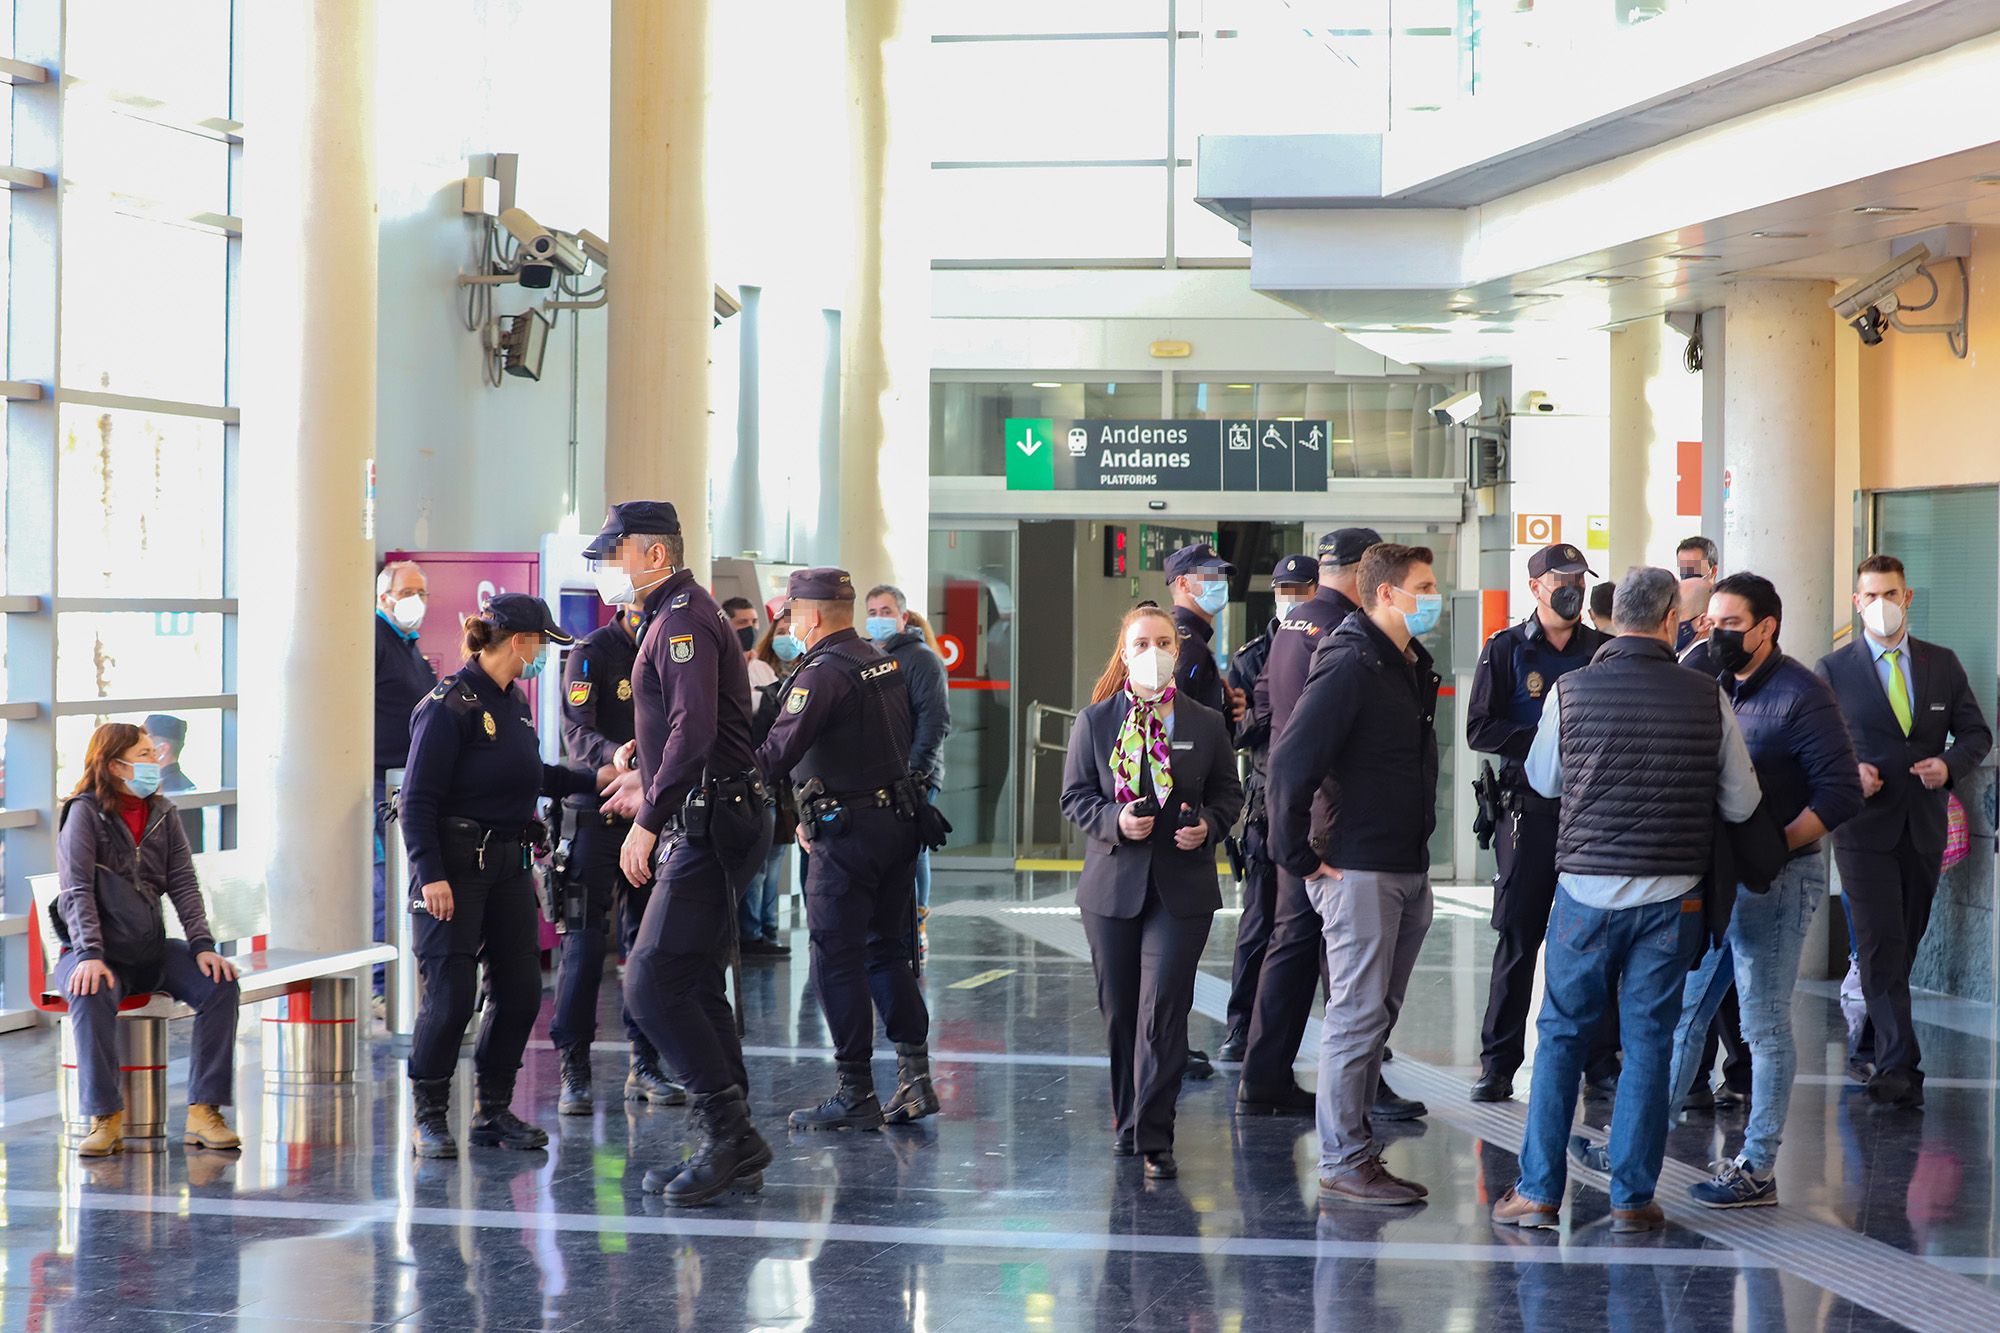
[1040, 745]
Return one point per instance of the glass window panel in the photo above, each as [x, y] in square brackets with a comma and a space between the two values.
[144, 305]
[1050, 213]
[107, 149]
[201, 757]
[131, 654]
[1379, 430]
[968, 421]
[139, 500]
[1949, 543]
[178, 52]
[1283, 78]
[999, 101]
[972, 597]
[1031, 16]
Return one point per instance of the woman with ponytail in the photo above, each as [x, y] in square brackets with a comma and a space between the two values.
[1151, 780]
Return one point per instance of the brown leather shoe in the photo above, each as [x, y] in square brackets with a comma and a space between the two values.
[1514, 1211]
[1370, 1183]
[207, 1129]
[1646, 1217]
[107, 1136]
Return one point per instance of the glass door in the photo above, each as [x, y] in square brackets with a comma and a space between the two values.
[974, 573]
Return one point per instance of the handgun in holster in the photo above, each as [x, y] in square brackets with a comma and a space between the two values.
[1232, 847]
[1492, 800]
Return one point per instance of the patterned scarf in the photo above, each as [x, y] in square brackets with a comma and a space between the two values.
[1142, 735]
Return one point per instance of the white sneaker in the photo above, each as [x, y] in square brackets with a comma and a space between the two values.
[1850, 985]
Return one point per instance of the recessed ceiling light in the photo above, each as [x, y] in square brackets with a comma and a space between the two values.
[1045, 384]
[1239, 386]
[1291, 418]
[1607, 279]
[1888, 208]
[1780, 235]
[1686, 258]
[1986, 180]
[1416, 328]
[1534, 296]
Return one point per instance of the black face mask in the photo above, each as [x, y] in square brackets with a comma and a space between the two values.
[747, 636]
[1728, 651]
[1567, 602]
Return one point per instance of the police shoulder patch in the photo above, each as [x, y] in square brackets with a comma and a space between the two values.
[443, 688]
[624, 691]
[681, 647]
[679, 602]
[579, 692]
[796, 700]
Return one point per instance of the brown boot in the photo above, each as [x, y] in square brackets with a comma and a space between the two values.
[1646, 1217]
[207, 1129]
[1369, 1183]
[1514, 1211]
[107, 1136]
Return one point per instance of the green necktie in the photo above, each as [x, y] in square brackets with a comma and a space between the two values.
[1899, 693]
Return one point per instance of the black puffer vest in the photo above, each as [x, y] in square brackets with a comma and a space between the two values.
[1642, 764]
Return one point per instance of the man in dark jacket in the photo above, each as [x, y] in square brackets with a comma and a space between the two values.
[1642, 753]
[1292, 582]
[168, 733]
[1917, 731]
[1367, 719]
[1805, 765]
[403, 676]
[889, 625]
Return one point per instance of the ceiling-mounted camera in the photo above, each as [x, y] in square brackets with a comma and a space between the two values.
[1871, 305]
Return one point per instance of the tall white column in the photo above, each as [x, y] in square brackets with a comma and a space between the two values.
[1778, 410]
[884, 480]
[662, 308]
[306, 351]
[1560, 459]
[1655, 405]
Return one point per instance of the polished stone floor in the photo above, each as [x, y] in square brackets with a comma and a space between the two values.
[1008, 1211]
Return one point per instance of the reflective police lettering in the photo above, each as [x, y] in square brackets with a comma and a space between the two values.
[879, 669]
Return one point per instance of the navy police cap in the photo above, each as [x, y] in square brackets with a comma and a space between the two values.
[1192, 559]
[1296, 569]
[518, 613]
[1345, 546]
[655, 518]
[824, 584]
[1561, 558]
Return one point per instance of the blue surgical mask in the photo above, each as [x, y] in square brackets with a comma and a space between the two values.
[1214, 595]
[787, 647]
[531, 667]
[145, 780]
[1424, 618]
[881, 627]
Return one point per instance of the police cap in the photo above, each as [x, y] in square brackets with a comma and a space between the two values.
[518, 613]
[1192, 559]
[1296, 569]
[166, 727]
[1562, 558]
[655, 518]
[824, 584]
[1345, 546]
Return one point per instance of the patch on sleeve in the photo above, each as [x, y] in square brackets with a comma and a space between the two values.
[795, 702]
[579, 692]
[681, 647]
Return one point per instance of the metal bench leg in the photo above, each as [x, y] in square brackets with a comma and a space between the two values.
[142, 1055]
[309, 1036]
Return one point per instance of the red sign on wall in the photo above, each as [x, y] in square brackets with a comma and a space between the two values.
[1687, 480]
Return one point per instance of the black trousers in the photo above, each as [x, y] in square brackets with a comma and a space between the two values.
[861, 890]
[580, 963]
[494, 921]
[1145, 985]
[676, 975]
[1890, 895]
[1292, 963]
[1253, 930]
[1523, 892]
[1725, 1034]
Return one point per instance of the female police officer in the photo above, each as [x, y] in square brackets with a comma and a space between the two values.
[469, 795]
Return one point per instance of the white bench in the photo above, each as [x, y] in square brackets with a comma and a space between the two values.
[309, 1029]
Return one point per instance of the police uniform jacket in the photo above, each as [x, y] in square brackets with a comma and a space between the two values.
[597, 700]
[845, 720]
[1516, 670]
[1293, 644]
[691, 691]
[1253, 732]
[1196, 676]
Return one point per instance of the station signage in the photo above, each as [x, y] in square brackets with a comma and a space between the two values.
[1052, 454]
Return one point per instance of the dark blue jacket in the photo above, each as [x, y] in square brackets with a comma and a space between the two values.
[1798, 742]
[930, 703]
[1253, 732]
[402, 678]
[1517, 669]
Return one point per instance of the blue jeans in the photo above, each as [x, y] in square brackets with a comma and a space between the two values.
[924, 861]
[1767, 931]
[1640, 955]
[757, 914]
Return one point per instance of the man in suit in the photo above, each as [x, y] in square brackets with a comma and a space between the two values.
[1917, 731]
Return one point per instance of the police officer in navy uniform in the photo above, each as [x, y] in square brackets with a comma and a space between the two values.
[474, 775]
[1292, 582]
[701, 825]
[843, 734]
[597, 721]
[1516, 671]
[1198, 579]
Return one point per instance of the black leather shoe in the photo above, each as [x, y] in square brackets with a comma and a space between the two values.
[758, 948]
[1861, 1070]
[1726, 1096]
[1493, 1088]
[1388, 1106]
[1161, 1166]
[1198, 1067]
[1700, 1097]
[1894, 1088]
[1288, 1100]
[1123, 1145]
[1232, 1048]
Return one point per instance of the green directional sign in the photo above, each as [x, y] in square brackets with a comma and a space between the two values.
[1031, 454]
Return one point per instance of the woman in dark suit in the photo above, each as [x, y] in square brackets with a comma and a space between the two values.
[1151, 779]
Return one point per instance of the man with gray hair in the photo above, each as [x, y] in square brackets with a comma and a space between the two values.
[402, 678]
[1642, 753]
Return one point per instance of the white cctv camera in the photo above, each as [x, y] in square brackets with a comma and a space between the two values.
[595, 248]
[1869, 303]
[1457, 409]
[541, 248]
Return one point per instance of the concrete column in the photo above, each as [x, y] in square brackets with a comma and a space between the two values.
[662, 306]
[307, 393]
[1655, 404]
[884, 480]
[1778, 405]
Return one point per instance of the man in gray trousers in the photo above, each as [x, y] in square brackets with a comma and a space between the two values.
[1367, 720]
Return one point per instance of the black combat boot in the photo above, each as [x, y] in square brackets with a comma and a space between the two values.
[852, 1106]
[576, 1098]
[914, 1098]
[728, 1154]
[645, 1082]
[432, 1136]
[494, 1124]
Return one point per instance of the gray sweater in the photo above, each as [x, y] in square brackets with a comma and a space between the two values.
[160, 863]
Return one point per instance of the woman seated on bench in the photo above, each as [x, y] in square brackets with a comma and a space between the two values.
[114, 822]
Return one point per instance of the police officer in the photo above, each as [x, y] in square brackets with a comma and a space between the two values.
[1198, 579]
[1294, 956]
[701, 824]
[843, 734]
[1292, 582]
[597, 721]
[1516, 671]
[474, 774]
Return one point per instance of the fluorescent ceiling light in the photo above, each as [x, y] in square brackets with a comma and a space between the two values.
[1888, 208]
[1045, 384]
[1781, 235]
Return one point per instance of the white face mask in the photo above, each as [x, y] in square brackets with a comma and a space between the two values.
[614, 585]
[1883, 618]
[1151, 670]
[1287, 605]
[408, 611]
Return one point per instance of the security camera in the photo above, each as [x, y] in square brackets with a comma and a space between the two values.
[595, 248]
[1876, 293]
[1457, 409]
[540, 246]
